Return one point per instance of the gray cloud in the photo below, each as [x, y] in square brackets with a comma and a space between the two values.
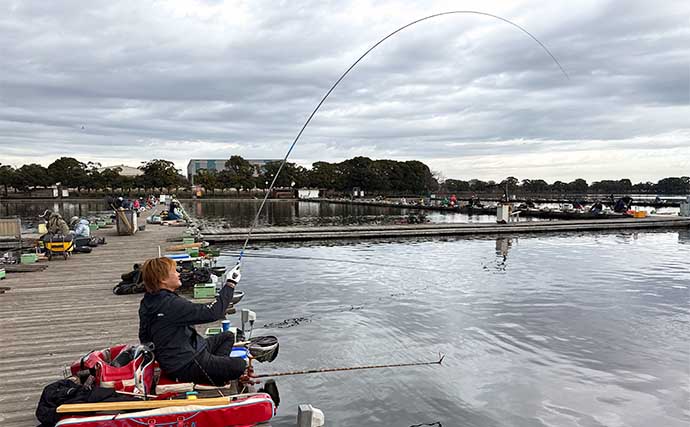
[469, 95]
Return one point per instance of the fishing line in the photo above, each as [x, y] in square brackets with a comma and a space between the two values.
[299, 134]
[305, 258]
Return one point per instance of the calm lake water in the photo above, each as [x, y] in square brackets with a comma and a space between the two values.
[544, 330]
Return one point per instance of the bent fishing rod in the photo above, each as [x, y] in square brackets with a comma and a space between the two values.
[337, 82]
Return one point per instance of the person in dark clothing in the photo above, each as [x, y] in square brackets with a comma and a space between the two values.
[167, 320]
[623, 204]
[597, 207]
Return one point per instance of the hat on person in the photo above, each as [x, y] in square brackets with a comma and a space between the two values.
[73, 220]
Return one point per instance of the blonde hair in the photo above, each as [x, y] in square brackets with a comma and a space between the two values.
[154, 271]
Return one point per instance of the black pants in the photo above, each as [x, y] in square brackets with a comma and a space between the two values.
[213, 366]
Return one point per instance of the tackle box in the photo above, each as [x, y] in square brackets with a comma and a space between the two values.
[204, 290]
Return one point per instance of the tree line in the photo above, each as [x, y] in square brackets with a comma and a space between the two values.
[71, 173]
[671, 185]
[372, 176]
[377, 176]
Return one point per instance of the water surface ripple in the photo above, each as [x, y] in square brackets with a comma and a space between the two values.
[548, 330]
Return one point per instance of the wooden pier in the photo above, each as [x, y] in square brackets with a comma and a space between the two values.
[52, 317]
[273, 234]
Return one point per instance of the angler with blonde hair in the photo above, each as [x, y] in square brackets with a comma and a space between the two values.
[167, 320]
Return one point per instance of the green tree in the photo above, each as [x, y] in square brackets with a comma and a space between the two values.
[69, 172]
[110, 178]
[291, 173]
[33, 175]
[240, 173]
[326, 175]
[358, 172]
[207, 179]
[673, 185]
[559, 187]
[578, 186]
[159, 173]
[456, 185]
[510, 184]
[7, 176]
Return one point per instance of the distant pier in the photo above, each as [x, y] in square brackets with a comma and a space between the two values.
[276, 234]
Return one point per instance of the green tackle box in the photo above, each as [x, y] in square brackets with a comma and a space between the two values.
[193, 252]
[93, 227]
[29, 258]
[204, 290]
[187, 240]
[2, 273]
[212, 331]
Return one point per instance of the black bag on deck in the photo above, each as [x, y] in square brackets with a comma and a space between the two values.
[199, 275]
[132, 283]
[66, 391]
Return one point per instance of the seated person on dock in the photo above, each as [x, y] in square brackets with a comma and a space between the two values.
[597, 207]
[56, 225]
[167, 320]
[623, 204]
[80, 227]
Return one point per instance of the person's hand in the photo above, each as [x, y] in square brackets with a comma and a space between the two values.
[234, 275]
[248, 377]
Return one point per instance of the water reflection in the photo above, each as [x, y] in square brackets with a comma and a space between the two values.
[29, 210]
[240, 213]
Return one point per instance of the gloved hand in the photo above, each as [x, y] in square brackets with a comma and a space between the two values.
[234, 275]
[247, 378]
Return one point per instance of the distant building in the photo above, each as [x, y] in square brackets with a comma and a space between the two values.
[196, 165]
[124, 170]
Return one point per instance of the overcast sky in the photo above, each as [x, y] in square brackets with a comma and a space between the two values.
[471, 96]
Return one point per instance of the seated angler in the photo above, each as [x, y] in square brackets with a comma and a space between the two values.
[55, 224]
[79, 228]
[167, 320]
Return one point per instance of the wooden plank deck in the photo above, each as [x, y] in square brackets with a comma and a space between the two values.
[52, 317]
[268, 234]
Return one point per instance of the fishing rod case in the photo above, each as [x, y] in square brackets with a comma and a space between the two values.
[240, 411]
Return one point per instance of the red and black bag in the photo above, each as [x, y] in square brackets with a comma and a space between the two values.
[128, 368]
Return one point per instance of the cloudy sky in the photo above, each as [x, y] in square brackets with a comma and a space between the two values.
[473, 97]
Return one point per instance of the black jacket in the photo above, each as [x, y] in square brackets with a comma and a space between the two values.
[166, 319]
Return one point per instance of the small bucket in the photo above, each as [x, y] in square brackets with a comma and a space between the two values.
[240, 352]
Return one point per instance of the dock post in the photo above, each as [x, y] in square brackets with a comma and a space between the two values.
[308, 416]
[685, 207]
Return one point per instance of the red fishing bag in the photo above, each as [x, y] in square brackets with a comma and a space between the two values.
[128, 368]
